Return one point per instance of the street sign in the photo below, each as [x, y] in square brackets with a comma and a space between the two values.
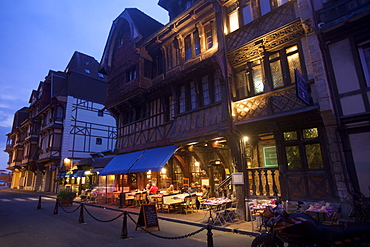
[301, 87]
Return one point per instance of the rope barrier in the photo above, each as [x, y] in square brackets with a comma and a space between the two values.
[69, 211]
[164, 237]
[103, 220]
[124, 223]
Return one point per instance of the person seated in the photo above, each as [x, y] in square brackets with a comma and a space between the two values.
[171, 189]
[147, 188]
[192, 189]
[153, 190]
[205, 192]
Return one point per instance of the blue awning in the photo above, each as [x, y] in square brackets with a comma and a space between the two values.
[79, 173]
[121, 163]
[153, 159]
[61, 174]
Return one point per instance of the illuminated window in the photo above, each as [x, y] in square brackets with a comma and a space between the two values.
[209, 36]
[303, 149]
[274, 71]
[233, 21]
[281, 2]
[196, 43]
[241, 85]
[257, 77]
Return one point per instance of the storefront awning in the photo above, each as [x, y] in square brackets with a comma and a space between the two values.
[153, 159]
[79, 173]
[61, 175]
[121, 163]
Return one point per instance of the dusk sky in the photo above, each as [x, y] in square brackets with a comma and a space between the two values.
[42, 35]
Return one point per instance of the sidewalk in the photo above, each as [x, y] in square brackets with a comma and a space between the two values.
[193, 218]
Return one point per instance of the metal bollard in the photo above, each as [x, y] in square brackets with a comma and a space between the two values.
[122, 200]
[39, 204]
[209, 236]
[56, 206]
[81, 219]
[124, 226]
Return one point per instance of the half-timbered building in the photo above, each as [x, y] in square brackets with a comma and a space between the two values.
[166, 88]
[65, 122]
[282, 103]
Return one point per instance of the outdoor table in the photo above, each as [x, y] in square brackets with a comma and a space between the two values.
[213, 205]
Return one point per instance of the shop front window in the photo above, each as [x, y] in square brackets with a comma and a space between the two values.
[293, 157]
[177, 175]
[303, 149]
[196, 173]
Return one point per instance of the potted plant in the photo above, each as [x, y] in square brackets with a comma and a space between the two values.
[66, 197]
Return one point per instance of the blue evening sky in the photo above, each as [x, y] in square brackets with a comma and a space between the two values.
[41, 35]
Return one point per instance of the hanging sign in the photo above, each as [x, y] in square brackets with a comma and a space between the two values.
[301, 87]
[237, 178]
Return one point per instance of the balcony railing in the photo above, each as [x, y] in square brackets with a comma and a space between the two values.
[263, 181]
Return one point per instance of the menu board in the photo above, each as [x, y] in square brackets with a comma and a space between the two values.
[148, 217]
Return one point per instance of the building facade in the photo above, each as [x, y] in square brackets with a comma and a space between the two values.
[239, 87]
[345, 42]
[63, 124]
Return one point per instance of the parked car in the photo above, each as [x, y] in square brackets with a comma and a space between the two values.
[2, 183]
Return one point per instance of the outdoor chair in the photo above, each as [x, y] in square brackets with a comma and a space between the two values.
[255, 216]
[220, 215]
[186, 206]
[137, 199]
[144, 198]
[193, 203]
[230, 211]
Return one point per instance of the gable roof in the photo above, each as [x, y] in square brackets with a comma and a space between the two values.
[141, 26]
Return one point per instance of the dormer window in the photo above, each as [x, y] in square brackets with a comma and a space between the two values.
[101, 75]
[87, 71]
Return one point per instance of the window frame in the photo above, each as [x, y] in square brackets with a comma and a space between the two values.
[365, 65]
[202, 87]
[301, 143]
[266, 72]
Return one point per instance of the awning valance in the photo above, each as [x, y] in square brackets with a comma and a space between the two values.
[153, 159]
[121, 163]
